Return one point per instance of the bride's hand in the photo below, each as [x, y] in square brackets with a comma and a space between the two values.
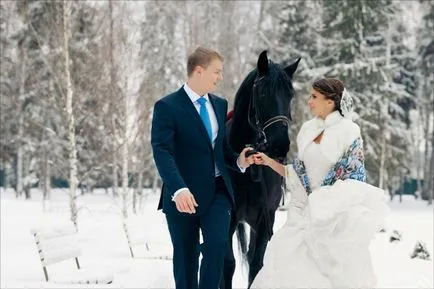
[262, 159]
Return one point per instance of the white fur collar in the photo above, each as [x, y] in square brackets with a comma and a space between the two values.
[339, 134]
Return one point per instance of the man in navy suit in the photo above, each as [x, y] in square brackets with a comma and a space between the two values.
[192, 156]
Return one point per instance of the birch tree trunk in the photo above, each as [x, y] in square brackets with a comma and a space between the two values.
[125, 155]
[72, 150]
[417, 158]
[19, 186]
[382, 162]
[7, 169]
[431, 170]
[384, 140]
[431, 177]
[426, 176]
[46, 177]
[138, 192]
[115, 179]
[421, 129]
[27, 180]
[45, 182]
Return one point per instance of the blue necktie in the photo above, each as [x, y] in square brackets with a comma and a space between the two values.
[205, 116]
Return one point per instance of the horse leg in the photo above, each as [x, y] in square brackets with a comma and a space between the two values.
[252, 247]
[261, 242]
[229, 263]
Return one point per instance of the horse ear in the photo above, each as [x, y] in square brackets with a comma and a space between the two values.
[290, 69]
[262, 65]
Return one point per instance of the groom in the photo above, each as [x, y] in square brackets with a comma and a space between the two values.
[192, 156]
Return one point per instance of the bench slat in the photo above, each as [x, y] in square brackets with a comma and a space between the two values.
[137, 240]
[134, 235]
[61, 243]
[55, 256]
[55, 232]
[54, 244]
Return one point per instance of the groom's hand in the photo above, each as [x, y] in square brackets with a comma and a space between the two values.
[185, 202]
[244, 161]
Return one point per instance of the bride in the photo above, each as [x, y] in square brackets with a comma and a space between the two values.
[333, 214]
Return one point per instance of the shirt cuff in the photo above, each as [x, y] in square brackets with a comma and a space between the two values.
[242, 169]
[178, 192]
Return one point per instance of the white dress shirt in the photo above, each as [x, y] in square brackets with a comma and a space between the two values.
[212, 117]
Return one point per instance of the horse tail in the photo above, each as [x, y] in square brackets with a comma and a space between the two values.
[242, 239]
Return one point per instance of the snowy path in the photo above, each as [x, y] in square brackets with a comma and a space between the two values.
[103, 242]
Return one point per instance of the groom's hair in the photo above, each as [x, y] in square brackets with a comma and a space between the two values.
[201, 57]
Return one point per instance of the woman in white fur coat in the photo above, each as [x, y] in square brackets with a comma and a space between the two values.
[333, 214]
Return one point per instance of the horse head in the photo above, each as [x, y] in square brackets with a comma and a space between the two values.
[269, 109]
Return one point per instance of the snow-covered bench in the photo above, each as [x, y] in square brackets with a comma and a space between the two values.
[60, 243]
[134, 238]
[137, 234]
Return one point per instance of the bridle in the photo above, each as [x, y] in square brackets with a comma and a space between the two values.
[261, 145]
[258, 126]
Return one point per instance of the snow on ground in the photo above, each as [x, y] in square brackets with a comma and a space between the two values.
[104, 245]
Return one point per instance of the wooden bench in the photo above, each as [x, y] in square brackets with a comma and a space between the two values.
[58, 244]
[136, 235]
[133, 238]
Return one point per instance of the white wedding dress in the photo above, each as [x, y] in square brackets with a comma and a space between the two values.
[325, 240]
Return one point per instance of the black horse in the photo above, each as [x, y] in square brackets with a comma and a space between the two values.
[260, 118]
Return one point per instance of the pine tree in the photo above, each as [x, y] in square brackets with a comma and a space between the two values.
[7, 84]
[31, 90]
[295, 34]
[358, 41]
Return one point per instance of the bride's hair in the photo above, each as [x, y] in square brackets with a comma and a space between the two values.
[332, 89]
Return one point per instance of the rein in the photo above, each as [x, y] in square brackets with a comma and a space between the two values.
[261, 145]
[257, 125]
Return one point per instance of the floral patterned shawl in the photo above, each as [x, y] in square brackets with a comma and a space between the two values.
[350, 166]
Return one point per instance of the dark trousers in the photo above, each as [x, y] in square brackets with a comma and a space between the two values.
[184, 232]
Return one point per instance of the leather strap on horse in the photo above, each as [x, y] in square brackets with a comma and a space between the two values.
[266, 215]
[275, 119]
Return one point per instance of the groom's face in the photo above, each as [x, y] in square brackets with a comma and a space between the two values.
[211, 75]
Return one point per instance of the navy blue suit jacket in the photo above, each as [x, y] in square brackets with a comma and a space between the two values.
[183, 151]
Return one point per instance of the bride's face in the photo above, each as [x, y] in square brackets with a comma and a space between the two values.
[319, 105]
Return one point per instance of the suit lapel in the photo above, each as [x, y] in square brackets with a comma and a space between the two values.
[217, 108]
[189, 107]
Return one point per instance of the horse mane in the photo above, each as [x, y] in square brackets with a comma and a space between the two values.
[244, 91]
[240, 111]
